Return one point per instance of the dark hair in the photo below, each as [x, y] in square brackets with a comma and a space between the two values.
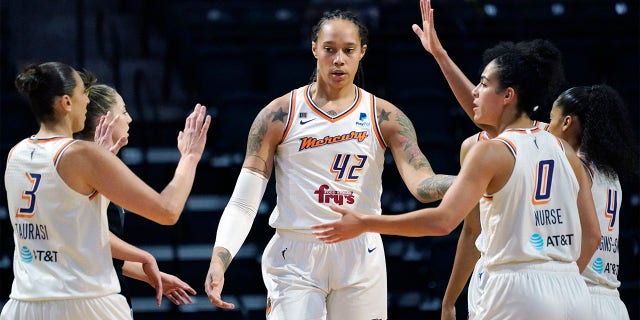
[607, 139]
[347, 16]
[101, 99]
[40, 84]
[532, 68]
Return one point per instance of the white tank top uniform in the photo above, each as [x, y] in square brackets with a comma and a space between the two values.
[601, 274]
[532, 235]
[62, 251]
[479, 277]
[326, 160]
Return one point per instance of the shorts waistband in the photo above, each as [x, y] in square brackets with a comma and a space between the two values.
[554, 266]
[603, 291]
[300, 235]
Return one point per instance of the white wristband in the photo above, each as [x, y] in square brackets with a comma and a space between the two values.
[238, 215]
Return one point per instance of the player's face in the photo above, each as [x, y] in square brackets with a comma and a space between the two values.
[488, 97]
[121, 126]
[79, 101]
[338, 50]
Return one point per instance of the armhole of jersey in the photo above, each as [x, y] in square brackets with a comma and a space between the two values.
[376, 126]
[509, 144]
[292, 109]
[11, 151]
[61, 150]
[588, 169]
[561, 144]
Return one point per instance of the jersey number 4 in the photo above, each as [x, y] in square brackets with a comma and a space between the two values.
[29, 196]
[611, 211]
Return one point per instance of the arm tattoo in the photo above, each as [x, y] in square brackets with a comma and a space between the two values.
[256, 134]
[433, 188]
[279, 115]
[411, 148]
[225, 257]
[383, 115]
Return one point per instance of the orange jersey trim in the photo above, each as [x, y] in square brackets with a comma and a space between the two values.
[292, 109]
[509, 145]
[56, 157]
[318, 111]
[93, 195]
[376, 128]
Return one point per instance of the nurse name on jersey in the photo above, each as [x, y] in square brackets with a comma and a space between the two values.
[545, 217]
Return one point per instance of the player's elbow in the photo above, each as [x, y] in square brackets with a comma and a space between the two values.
[444, 228]
[168, 217]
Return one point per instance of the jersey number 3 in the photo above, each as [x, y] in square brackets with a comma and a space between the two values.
[29, 196]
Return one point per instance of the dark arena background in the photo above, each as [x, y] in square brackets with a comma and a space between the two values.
[234, 57]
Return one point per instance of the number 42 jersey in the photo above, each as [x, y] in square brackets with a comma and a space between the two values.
[326, 160]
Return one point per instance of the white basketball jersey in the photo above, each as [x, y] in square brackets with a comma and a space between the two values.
[327, 160]
[534, 217]
[483, 135]
[607, 197]
[62, 242]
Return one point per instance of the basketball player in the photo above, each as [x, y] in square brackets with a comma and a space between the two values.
[595, 121]
[466, 252]
[112, 132]
[533, 190]
[57, 191]
[327, 142]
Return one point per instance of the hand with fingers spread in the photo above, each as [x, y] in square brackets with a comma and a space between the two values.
[427, 34]
[192, 139]
[176, 290]
[103, 135]
[349, 226]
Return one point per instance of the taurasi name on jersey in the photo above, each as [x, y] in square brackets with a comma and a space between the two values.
[31, 231]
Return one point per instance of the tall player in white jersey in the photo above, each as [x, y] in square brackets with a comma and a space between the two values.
[56, 193]
[533, 187]
[595, 121]
[327, 142]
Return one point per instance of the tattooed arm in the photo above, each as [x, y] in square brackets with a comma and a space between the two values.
[264, 136]
[399, 134]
